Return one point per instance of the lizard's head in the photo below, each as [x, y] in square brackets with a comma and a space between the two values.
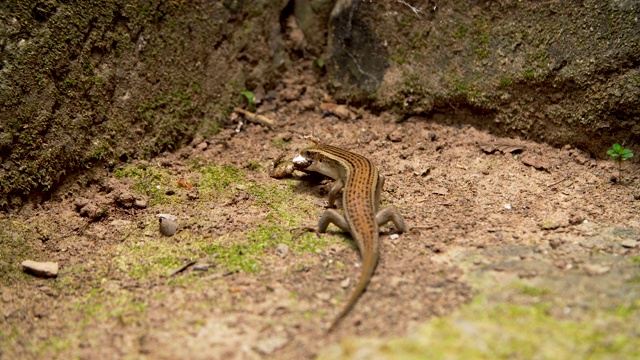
[316, 159]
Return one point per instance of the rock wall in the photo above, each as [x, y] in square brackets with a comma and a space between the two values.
[93, 83]
[562, 72]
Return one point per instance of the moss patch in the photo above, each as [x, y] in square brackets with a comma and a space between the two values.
[15, 249]
[484, 330]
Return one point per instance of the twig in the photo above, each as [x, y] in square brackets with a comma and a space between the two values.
[182, 268]
[426, 227]
[219, 275]
[260, 119]
[239, 127]
[413, 8]
[558, 182]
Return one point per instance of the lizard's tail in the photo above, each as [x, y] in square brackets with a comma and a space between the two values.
[369, 265]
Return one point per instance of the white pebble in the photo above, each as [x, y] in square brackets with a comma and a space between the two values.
[40, 269]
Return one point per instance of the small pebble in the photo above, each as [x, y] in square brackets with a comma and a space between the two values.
[423, 173]
[440, 191]
[196, 140]
[168, 224]
[342, 112]
[124, 198]
[308, 104]
[629, 243]
[193, 194]
[394, 236]
[270, 345]
[92, 211]
[594, 269]
[282, 251]
[202, 146]
[40, 269]
[201, 266]
[550, 225]
[576, 219]
[345, 283]
[396, 135]
[140, 204]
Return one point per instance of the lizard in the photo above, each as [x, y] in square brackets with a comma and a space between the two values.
[361, 186]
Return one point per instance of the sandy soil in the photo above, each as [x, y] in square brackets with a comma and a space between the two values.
[487, 212]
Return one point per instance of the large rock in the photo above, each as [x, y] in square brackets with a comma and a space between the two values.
[560, 72]
[83, 83]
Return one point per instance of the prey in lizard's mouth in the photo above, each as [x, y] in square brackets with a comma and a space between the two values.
[301, 162]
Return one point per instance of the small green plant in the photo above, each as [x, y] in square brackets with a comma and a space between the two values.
[619, 154]
[250, 98]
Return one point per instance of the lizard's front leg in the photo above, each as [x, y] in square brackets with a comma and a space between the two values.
[333, 193]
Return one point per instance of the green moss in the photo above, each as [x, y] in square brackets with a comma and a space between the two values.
[254, 166]
[150, 181]
[220, 179]
[68, 84]
[238, 257]
[122, 305]
[529, 74]
[51, 345]
[461, 32]
[168, 111]
[101, 151]
[483, 330]
[505, 82]
[482, 54]
[244, 251]
[399, 56]
[280, 142]
[634, 279]
[15, 249]
[241, 250]
[534, 291]
[460, 86]
[628, 311]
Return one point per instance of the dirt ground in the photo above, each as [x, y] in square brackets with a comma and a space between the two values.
[495, 221]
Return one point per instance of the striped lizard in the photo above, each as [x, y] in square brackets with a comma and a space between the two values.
[361, 185]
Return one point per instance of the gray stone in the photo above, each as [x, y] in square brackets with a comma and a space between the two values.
[168, 224]
[41, 269]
